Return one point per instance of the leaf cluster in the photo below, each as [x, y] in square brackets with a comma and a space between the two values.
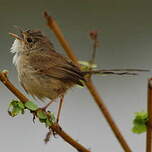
[140, 122]
[17, 107]
[85, 65]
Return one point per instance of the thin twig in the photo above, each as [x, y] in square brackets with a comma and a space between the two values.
[94, 37]
[55, 28]
[10, 86]
[149, 124]
[55, 127]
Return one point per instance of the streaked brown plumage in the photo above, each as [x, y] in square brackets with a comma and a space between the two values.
[42, 71]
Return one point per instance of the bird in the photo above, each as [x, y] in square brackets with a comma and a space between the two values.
[43, 72]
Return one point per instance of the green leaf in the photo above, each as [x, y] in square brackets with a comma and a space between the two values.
[21, 105]
[16, 111]
[85, 65]
[15, 108]
[31, 106]
[139, 122]
[53, 117]
[48, 122]
[138, 129]
[140, 118]
[13, 103]
[41, 114]
[42, 120]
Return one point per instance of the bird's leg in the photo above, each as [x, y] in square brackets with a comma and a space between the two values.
[43, 108]
[46, 106]
[59, 109]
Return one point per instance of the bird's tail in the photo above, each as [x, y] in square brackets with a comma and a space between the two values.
[115, 71]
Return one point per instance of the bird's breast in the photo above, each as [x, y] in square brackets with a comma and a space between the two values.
[36, 84]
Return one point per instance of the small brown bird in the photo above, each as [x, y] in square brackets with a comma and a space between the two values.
[42, 71]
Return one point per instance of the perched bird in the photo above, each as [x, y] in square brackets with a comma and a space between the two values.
[42, 71]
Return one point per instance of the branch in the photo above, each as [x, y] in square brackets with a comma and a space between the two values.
[149, 124]
[53, 25]
[55, 28]
[55, 127]
[94, 37]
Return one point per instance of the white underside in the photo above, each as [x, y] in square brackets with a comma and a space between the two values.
[16, 48]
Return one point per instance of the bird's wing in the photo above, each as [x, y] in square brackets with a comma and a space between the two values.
[52, 64]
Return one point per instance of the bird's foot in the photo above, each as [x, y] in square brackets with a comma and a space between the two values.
[34, 116]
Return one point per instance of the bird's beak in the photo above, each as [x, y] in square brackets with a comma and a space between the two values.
[16, 36]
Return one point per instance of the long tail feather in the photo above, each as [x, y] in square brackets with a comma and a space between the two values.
[116, 71]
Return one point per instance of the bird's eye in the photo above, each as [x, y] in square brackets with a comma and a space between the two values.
[29, 40]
